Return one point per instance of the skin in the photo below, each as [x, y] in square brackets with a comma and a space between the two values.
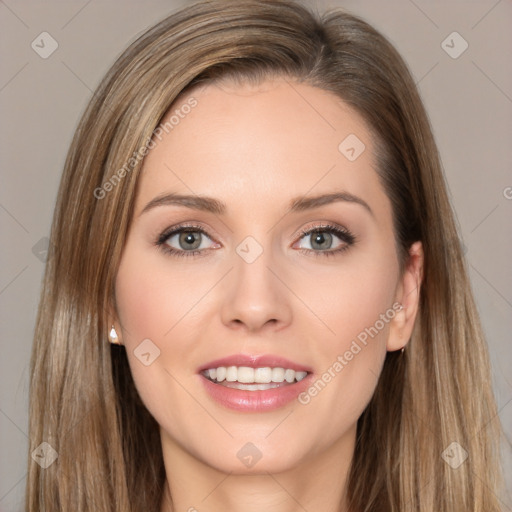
[255, 148]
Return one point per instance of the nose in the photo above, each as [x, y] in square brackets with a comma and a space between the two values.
[255, 297]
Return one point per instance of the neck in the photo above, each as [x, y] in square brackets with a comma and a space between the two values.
[316, 483]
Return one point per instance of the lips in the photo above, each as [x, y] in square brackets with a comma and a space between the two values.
[254, 383]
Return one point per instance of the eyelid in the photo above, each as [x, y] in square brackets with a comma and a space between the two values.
[322, 226]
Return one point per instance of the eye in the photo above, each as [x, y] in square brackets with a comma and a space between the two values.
[185, 241]
[326, 240]
[192, 240]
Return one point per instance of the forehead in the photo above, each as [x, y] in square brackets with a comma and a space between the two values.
[248, 144]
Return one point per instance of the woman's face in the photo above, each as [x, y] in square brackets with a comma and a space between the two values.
[285, 268]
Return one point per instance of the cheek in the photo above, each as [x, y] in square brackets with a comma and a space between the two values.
[352, 297]
[151, 297]
[357, 306]
[159, 304]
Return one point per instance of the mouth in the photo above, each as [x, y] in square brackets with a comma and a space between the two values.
[253, 379]
[254, 383]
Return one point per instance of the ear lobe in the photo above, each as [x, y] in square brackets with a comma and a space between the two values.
[408, 294]
[113, 327]
[111, 318]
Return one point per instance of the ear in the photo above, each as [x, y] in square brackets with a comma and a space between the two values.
[407, 294]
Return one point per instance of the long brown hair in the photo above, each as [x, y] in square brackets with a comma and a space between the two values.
[83, 400]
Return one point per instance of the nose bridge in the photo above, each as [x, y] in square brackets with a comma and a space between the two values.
[254, 296]
[252, 263]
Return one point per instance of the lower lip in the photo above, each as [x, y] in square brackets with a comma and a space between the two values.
[255, 401]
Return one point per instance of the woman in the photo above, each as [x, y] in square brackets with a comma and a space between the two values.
[253, 213]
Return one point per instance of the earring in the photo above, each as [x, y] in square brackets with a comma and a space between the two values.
[113, 337]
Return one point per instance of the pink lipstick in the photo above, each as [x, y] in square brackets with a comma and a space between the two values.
[254, 383]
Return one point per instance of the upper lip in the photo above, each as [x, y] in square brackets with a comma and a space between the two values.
[255, 361]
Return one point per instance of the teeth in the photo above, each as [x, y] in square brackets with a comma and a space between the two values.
[252, 387]
[278, 374]
[231, 373]
[221, 373]
[247, 375]
[263, 375]
[289, 375]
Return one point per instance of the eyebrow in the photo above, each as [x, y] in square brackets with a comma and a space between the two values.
[209, 204]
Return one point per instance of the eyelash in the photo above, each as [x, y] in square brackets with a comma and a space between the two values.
[342, 233]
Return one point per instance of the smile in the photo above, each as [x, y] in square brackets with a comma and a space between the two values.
[254, 383]
[253, 379]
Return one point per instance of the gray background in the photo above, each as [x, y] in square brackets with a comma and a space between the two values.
[469, 100]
